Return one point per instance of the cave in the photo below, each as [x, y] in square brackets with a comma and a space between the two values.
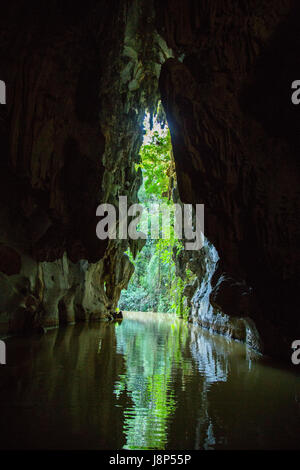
[76, 83]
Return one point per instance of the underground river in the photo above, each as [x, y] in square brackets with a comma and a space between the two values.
[149, 382]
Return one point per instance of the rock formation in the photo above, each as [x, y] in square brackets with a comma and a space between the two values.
[227, 96]
[78, 80]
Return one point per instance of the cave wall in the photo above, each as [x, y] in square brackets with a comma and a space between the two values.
[235, 136]
[78, 79]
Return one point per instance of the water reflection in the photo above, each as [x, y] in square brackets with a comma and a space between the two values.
[192, 390]
[150, 359]
[149, 382]
[56, 391]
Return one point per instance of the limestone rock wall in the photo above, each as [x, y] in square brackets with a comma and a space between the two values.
[227, 96]
[78, 79]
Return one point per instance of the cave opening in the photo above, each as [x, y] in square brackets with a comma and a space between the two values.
[155, 285]
[76, 84]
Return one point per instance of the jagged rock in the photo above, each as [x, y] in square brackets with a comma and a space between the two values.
[78, 79]
[10, 260]
[228, 292]
[234, 133]
[119, 315]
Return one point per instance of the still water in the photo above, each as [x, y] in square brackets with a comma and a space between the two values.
[150, 382]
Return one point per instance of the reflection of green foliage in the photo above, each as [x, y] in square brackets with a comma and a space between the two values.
[148, 379]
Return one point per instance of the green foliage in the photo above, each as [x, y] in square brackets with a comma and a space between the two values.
[154, 285]
[177, 294]
[135, 299]
[156, 165]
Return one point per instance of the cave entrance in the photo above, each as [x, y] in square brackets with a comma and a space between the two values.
[155, 286]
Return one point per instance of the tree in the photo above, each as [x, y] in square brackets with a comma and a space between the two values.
[154, 285]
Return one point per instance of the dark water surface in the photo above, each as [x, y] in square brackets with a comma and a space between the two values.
[151, 382]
